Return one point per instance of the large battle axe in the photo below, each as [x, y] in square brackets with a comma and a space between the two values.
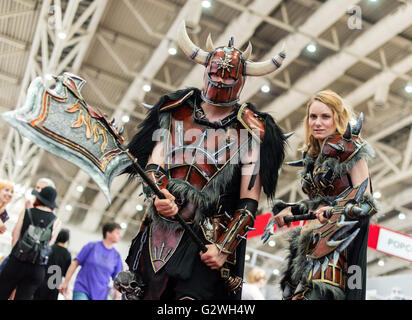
[59, 120]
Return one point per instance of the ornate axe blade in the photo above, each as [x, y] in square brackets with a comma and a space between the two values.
[60, 121]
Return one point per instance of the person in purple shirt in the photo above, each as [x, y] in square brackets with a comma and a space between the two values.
[99, 262]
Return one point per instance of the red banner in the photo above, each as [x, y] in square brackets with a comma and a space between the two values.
[261, 222]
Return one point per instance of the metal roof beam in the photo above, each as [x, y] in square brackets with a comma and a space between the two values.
[333, 67]
[27, 3]
[152, 66]
[322, 19]
[126, 106]
[251, 17]
[13, 42]
[9, 78]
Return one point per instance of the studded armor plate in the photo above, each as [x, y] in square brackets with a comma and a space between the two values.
[196, 154]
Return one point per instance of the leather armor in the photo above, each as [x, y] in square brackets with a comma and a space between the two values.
[200, 159]
[321, 180]
[197, 160]
[326, 178]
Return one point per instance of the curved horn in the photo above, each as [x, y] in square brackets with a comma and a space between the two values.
[247, 53]
[337, 147]
[348, 132]
[297, 163]
[147, 106]
[209, 44]
[265, 67]
[188, 47]
[359, 124]
[288, 135]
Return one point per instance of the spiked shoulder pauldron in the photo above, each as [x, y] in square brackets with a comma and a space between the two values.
[252, 122]
[339, 147]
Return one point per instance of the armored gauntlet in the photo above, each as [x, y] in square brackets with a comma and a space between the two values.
[240, 223]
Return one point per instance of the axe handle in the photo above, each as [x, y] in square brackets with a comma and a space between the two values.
[160, 195]
[307, 216]
[235, 280]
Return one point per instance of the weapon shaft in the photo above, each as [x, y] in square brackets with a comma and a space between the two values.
[160, 195]
[312, 216]
[307, 216]
[234, 282]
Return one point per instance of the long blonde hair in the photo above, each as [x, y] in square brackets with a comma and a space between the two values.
[342, 113]
[5, 184]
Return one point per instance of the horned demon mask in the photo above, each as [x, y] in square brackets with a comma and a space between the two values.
[226, 68]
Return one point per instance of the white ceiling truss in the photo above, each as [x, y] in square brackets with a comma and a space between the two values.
[119, 46]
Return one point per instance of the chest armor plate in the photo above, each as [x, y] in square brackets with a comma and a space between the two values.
[320, 182]
[196, 152]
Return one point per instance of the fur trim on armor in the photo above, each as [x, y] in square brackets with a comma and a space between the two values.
[366, 152]
[151, 213]
[208, 197]
[181, 189]
[325, 290]
[272, 153]
[220, 183]
[296, 258]
[287, 268]
[313, 203]
[164, 119]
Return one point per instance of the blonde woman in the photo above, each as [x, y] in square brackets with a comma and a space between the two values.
[334, 168]
[256, 281]
[6, 194]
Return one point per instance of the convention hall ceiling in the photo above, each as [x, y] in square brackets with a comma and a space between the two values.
[362, 49]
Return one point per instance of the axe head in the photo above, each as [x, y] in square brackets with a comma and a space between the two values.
[60, 121]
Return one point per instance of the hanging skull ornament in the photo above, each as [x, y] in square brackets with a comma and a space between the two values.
[226, 68]
[129, 285]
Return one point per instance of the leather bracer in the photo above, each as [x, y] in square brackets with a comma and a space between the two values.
[353, 207]
[241, 222]
[368, 209]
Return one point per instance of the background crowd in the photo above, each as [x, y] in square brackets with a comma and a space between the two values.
[39, 265]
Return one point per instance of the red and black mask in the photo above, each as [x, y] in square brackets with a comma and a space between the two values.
[223, 78]
[226, 68]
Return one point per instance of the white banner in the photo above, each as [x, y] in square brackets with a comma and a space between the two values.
[395, 244]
